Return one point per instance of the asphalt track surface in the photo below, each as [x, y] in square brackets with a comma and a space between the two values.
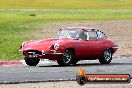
[52, 72]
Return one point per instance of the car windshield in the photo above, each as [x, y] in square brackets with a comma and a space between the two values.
[68, 33]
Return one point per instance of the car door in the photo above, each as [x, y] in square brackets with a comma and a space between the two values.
[92, 45]
[87, 46]
[81, 45]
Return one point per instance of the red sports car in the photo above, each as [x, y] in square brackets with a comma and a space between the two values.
[69, 46]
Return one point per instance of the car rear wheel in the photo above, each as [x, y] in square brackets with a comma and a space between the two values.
[32, 61]
[106, 57]
[67, 58]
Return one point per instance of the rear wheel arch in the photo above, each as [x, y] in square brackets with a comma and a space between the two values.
[111, 49]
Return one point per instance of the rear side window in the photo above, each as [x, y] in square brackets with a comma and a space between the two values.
[92, 35]
[101, 35]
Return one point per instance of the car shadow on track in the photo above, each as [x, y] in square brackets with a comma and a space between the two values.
[88, 64]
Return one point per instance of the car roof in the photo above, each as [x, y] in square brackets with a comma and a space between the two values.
[82, 28]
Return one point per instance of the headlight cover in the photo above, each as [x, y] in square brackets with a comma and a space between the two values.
[56, 46]
[23, 44]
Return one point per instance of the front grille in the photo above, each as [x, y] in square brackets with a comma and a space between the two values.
[33, 53]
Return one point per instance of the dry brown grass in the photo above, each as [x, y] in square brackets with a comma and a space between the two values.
[119, 31]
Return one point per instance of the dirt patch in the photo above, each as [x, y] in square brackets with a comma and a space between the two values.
[119, 31]
[66, 84]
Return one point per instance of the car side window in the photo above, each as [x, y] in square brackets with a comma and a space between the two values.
[101, 35]
[83, 35]
[92, 35]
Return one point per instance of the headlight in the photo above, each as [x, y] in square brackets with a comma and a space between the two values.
[56, 46]
[23, 44]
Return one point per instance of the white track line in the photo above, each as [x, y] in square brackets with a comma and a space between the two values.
[42, 61]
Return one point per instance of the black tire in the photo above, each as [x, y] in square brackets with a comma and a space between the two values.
[67, 58]
[106, 57]
[74, 62]
[32, 61]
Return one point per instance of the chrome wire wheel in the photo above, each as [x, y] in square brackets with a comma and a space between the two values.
[67, 56]
[106, 57]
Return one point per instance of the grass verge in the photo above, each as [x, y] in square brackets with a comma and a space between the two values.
[16, 25]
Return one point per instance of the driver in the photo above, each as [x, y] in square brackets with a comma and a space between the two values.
[83, 35]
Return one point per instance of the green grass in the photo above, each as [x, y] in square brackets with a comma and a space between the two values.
[16, 24]
[67, 4]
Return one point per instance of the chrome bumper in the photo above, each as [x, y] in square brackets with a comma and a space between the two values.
[43, 54]
[115, 47]
[34, 55]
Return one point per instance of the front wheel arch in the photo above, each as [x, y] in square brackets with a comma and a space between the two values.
[72, 49]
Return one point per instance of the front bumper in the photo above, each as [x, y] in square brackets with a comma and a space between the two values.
[43, 54]
[115, 47]
[50, 52]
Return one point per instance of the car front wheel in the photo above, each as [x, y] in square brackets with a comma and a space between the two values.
[106, 57]
[67, 58]
[32, 61]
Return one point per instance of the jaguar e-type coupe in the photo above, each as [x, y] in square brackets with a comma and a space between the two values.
[69, 46]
